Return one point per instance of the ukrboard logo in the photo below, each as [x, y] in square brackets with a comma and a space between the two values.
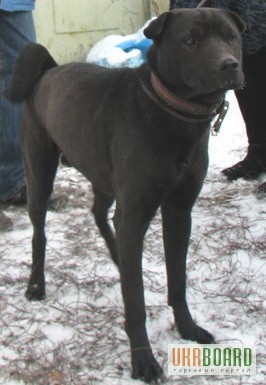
[191, 360]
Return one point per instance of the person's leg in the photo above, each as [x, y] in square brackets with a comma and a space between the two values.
[16, 30]
[251, 101]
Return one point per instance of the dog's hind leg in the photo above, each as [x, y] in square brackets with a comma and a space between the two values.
[40, 156]
[102, 203]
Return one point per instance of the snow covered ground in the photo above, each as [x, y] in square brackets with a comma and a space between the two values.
[76, 336]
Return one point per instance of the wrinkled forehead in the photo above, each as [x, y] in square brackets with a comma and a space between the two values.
[201, 20]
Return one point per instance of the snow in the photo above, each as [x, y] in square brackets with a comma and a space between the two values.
[76, 335]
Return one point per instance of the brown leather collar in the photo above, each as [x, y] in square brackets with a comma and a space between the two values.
[176, 107]
[182, 105]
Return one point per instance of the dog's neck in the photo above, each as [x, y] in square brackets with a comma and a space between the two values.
[179, 108]
[181, 104]
[182, 90]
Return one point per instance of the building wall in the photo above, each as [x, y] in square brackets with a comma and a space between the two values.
[69, 28]
[159, 6]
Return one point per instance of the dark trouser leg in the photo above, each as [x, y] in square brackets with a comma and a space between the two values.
[252, 105]
[16, 30]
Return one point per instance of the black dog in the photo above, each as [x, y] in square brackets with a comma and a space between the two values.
[140, 136]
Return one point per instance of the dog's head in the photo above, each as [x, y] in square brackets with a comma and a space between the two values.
[197, 51]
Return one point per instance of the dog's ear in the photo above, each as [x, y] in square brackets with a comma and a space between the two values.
[241, 24]
[156, 27]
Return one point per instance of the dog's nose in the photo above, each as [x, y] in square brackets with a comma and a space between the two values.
[229, 64]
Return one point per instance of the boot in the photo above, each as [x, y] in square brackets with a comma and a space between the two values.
[19, 198]
[250, 167]
[5, 222]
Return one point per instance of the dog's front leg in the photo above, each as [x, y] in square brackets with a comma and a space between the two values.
[131, 227]
[176, 234]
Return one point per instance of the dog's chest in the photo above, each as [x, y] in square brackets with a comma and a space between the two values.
[159, 165]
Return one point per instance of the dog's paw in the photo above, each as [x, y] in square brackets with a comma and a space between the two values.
[201, 336]
[145, 367]
[35, 293]
[189, 330]
[198, 334]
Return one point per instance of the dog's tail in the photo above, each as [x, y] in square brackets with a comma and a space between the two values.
[30, 66]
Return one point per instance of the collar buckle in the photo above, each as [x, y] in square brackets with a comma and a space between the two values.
[222, 113]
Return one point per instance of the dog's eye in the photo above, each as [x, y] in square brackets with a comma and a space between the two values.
[190, 41]
[230, 35]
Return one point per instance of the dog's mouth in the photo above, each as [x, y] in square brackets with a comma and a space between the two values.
[232, 84]
[213, 84]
